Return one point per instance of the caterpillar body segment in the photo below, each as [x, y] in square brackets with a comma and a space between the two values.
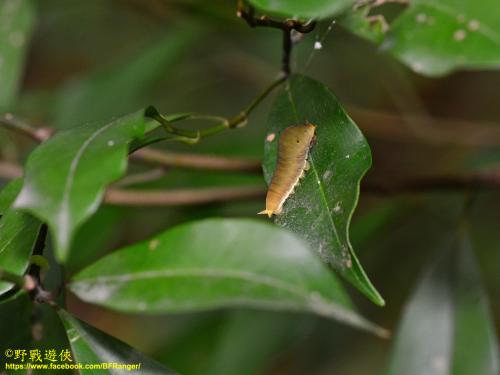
[293, 149]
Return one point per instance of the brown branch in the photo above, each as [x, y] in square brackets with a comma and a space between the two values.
[140, 178]
[18, 125]
[25, 282]
[10, 171]
[248, 14]
[287, 26]
[451, 182]
[194, 161]
[376, 123]
[178, 197]
[390, 126]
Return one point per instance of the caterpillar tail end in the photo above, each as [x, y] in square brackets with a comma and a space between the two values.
[269, 213]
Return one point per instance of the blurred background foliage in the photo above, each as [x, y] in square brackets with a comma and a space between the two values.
[95, 59]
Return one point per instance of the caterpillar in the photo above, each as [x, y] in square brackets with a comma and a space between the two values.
[293, 149]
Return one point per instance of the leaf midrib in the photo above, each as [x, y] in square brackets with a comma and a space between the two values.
[313, 168]
[63, 217]
[205, 272]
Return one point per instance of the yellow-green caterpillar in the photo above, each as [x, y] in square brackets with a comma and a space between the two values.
[293, 149]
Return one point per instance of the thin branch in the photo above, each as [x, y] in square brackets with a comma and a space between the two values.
[10, 171]
[194, 161]
[194, 136]
[178, 197]
[140, 178]
[248, 14]
[287, 52]
[9, 121]
[487, 180]
[21, 282]
[387, 125]
[39, 294]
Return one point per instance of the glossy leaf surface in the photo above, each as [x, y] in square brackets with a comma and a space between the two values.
[90, 346]
[18, 233]
[217, 263]
[447, 328]
[322, 204]
[65, 177]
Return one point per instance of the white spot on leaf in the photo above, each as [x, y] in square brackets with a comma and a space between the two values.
[270, 137]
[421, 17]
[439, 363]
[318, 45]
[153, 244]
[327, 175]
[474, 25]
[459, 35]
[416, 66]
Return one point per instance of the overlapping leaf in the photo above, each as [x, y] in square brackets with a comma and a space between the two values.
[435, 37]
[216, 263]
[18, 233]
[321, 207]
[92, 346]
[65, 177]
[447, 328]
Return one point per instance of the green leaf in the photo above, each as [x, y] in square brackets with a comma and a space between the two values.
[116, 89]
[446, 326]
[321, 207]
[217, 263]
[436, 37]
[16, 20]
[65, 177]
[18, 233]
[303, 8]
[90, 345]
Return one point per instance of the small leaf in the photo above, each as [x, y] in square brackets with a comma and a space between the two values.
[436, 37]
[321, 207]
[446, 327]
[65, 177]
[90, 345]
[217, 263]
[16, 20]
[18, 233]
[303, 8]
